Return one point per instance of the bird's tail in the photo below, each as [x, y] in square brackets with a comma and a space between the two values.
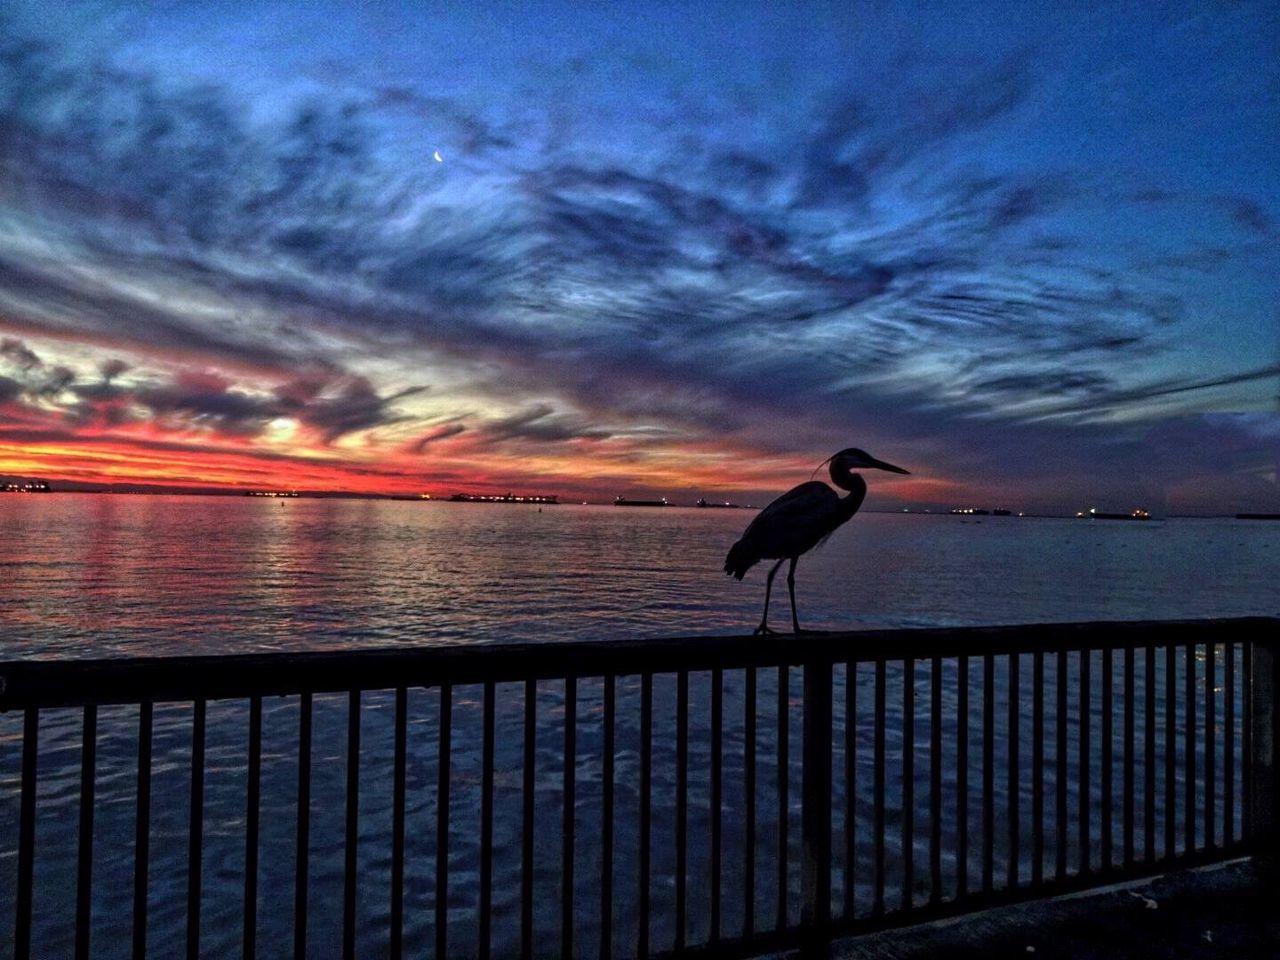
[741, 558]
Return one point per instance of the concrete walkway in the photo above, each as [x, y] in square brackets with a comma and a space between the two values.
[1216, 912]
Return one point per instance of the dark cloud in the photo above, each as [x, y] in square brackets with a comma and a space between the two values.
[111, 369]
[540, 423]
[1249, 214]
[56, 380]
[1063, 384]
[9, 389]
[472, 134]
[442, 432]
[19, 353]
[346, 407]
[330, 402]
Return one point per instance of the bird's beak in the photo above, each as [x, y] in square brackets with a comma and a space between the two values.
[881, 465]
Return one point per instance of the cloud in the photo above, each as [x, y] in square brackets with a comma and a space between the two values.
[346, 406]
[864, 258]
[541, 424]
[442, 432]
[19, 353]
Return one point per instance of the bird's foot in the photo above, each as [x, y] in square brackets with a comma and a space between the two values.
[763, 631]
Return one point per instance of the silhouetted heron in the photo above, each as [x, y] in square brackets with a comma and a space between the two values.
[801, 519]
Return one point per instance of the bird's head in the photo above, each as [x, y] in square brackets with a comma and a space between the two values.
[850, 459]
[855, 459]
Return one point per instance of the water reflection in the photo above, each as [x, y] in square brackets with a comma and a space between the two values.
[110, 575]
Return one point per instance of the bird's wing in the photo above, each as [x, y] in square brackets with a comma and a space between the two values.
[797, 502]
[794, 522]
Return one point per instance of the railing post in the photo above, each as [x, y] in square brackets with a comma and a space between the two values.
[815, 916]
[1264, 795]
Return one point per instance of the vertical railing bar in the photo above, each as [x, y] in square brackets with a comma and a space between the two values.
[988, 772]
[1246, 739]
[962, 776]
[716, 811]
[878, 790]
[1129, 758]
[646, 811]
[1229, 746]
[568, 813]
[352, 827]
[1210, 748]
[484, 916]
[606, 821]
[1086, 663]
[401, 745]
[1037, 768]
[252, 812]
[682, 804]
[1189, 750]
[1149, 760]
[195, 830]
[1264, 794]
[26, 834]
[444, 750]
[142, 831]
[815, 861]
[528, 788]
[1108, 758]
[850, 784]
[302, 850]
[84, 856]
[749, 788]
[1062, 713]
[908, 780]
[784, 706]
[935, 781]
[1014, 694]
[1170, 751]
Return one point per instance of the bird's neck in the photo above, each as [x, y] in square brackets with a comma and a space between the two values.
[846, 479]
[857, 488]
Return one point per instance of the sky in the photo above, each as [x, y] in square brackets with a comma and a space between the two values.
[1028, 252]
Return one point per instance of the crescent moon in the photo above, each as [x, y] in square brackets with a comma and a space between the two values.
[438, 158]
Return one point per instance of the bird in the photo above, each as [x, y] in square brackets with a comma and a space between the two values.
[801, 519]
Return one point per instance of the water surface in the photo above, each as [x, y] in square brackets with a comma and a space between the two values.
[113, 576]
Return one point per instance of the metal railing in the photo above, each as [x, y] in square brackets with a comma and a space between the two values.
[1119, 749]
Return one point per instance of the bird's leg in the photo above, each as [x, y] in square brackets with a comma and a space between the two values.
[768, 587]
[791, 588]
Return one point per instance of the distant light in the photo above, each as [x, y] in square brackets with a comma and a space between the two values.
[436, 156]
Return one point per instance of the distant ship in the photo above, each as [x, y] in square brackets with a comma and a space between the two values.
[503, 498]
[25, 486]
[702, 502]
[1138, 514]
[1258, 516]
[624, 502]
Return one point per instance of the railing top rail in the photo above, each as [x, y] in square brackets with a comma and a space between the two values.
[62, 683]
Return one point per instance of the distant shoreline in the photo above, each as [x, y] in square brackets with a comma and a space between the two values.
[572, 501]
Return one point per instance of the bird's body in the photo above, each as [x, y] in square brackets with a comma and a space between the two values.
[799, 520]
[795, 523]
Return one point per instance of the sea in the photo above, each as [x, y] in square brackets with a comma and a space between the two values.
[101, 575]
